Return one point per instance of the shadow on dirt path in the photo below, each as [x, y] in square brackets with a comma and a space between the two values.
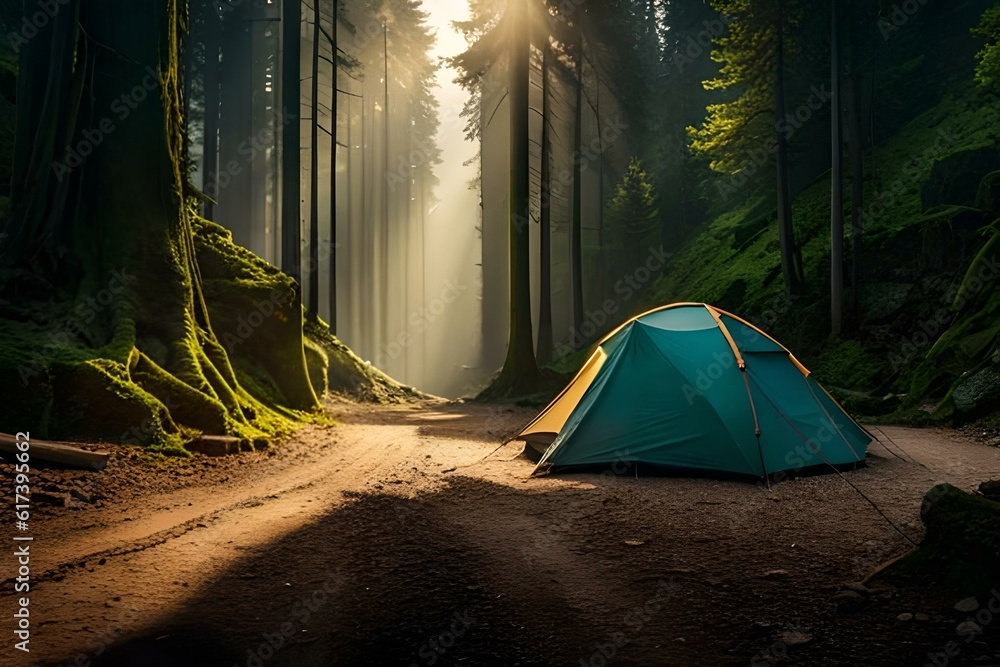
[480, 573]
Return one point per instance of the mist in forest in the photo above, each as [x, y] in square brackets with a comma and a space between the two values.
[452, 349]
[392, 260]
[427, 135]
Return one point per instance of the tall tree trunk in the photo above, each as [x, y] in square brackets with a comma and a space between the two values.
[382, 265]
[236, 113]
[520, 373]
[291, 94]
[601, 254]
[790, 267]
[312, 307]
[49, 93]
[210, 150]
[545, 223]
[836, 180]
[576, 228]
[856, 144]
[334, 126]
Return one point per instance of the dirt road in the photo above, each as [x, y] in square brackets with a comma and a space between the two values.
[403, 536]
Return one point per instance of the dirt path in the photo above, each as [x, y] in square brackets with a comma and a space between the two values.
[389, 540]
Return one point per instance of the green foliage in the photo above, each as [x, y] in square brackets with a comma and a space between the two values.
[988, 70]
[633, 216]
[746, 54]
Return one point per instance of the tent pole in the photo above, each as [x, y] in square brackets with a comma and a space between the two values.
[756, 426]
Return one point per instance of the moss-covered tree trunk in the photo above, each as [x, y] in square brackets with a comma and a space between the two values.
[113, 322]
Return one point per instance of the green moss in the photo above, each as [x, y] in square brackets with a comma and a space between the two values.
[97, 401]
[349, 375]
[960, 551]
[64, 387]
[318, 363]
[186, 404]
[850, 364]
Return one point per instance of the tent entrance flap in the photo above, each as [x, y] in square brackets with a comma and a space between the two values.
[547, 425]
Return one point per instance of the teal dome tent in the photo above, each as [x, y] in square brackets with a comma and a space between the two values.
[691, 387]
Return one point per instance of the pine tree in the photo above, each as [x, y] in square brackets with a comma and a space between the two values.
[750, 133]
[634, 216]
[988, 70]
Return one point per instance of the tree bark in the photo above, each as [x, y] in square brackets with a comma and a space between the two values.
[790, 266]
[544, 350]
[312, 307]
[210, 156]
[291, 94]
[519, 374]
[836, 180]
[576, 228]
[334, 126]
[856, 145]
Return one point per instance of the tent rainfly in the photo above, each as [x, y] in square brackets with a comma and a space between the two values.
[691, 387]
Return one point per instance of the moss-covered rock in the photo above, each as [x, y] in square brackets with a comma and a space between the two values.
[978, 393]
[961, 547]
[988, 198]
[954, 179]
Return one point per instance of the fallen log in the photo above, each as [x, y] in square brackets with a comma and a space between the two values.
[55, 452]
[214, 445]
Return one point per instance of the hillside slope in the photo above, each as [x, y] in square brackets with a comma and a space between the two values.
[925, 194]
